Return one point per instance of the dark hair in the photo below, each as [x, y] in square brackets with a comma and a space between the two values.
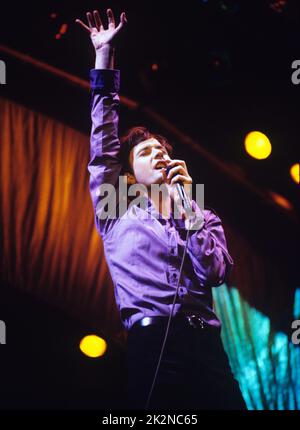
[133, 137]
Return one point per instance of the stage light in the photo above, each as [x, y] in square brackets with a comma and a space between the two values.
[281, 201]
[154, 67]
[93, 346]
[295, 172]
[63, 28]
[258, 145]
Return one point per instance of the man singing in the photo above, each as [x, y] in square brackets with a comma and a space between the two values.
[163, 267]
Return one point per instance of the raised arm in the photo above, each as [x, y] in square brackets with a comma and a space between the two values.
[104, 166]
[103, 39]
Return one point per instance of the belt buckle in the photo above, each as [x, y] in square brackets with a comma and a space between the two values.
[195, 321]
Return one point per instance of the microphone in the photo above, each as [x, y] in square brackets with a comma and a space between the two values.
[183, 196]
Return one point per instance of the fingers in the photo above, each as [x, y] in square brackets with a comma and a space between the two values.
[178, 172]
[181, 178]
[95, 23]
[175, 170]
[89, 18]
[111, 19]
[97, 20]
[78, 21]
[173, 163]
[123, 20]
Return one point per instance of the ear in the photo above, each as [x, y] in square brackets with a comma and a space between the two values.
[130, 178]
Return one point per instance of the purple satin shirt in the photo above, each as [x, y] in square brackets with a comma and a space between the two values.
[144, 251]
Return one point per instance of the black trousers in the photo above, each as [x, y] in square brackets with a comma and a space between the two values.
[194, 371]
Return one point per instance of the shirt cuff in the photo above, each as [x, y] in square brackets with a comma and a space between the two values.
[105, 79]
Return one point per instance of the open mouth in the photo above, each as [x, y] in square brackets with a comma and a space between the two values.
[160, 165]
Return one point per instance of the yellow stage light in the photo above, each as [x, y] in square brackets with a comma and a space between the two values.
[295, 172]
[93, 346]
[258, 145]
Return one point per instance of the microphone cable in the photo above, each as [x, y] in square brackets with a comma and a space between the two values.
[169, 321]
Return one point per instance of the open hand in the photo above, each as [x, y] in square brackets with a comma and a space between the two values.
[99, 35]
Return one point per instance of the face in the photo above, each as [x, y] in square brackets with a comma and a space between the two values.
[148, 160]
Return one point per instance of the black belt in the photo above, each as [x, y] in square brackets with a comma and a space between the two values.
[192, 320]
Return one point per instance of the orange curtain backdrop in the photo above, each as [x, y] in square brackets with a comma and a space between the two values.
[50, 246]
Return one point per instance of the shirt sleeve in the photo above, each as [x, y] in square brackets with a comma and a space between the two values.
[104, 165]
[207, 249]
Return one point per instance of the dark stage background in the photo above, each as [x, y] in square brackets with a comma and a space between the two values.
[204, 74]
